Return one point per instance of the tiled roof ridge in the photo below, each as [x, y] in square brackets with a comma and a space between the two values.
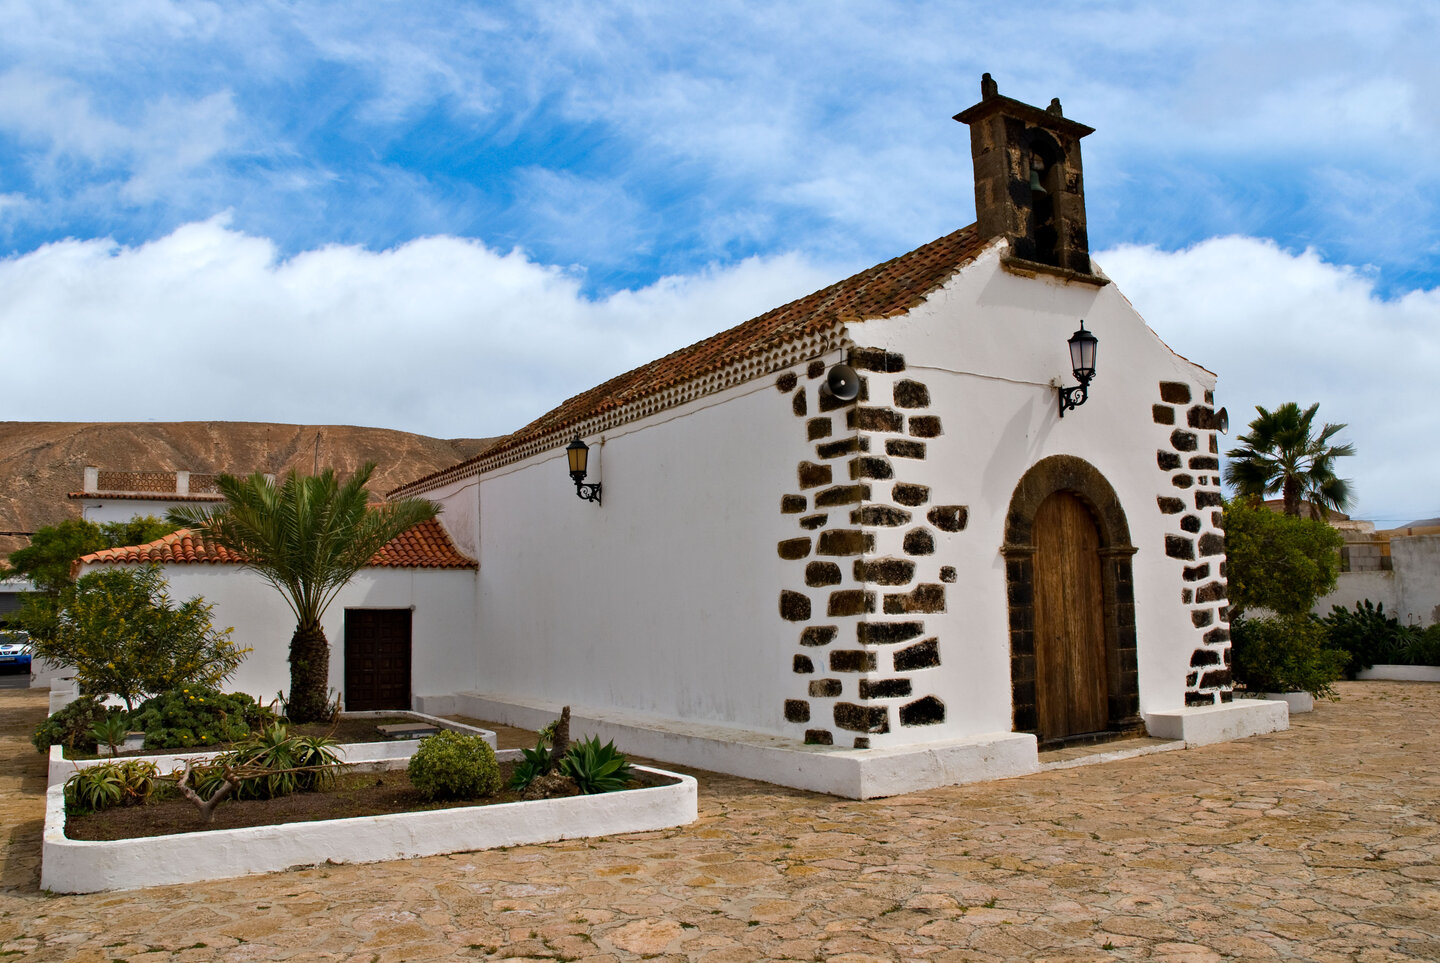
[426, 545]
[814, 322]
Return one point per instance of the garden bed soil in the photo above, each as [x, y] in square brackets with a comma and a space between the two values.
[354, 794]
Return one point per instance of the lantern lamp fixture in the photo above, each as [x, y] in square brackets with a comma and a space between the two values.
[578, 454]
[1082, 360]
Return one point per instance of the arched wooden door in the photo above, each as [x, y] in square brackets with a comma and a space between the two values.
[1071, 690]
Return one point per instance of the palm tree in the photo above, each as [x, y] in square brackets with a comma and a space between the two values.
[1283, 454]
[307, 537]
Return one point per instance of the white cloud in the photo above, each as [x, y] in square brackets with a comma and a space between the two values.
[1281, 327]
[441, 335]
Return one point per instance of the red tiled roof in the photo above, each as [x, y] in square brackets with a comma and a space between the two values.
[146, 497]
[427, 545]
[883, 291]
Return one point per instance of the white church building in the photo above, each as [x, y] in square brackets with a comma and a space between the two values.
[857, 544]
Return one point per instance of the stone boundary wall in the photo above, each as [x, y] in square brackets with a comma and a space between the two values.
[864, 554]
[1189, 463]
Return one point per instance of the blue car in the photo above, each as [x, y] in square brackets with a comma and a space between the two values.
[14, 652]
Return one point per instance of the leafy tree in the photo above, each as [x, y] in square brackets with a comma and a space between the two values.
[307, 537]
[50, 557]
[46, 561]
[52, 551]
[1278, 562]
[1283, 454]
[121, 632]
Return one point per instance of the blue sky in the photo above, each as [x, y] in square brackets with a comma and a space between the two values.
[624, 179]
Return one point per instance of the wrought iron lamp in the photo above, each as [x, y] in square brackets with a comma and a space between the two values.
[579, 455]
[1082, 360]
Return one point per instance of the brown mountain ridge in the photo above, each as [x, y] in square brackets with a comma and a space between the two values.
[42, 461]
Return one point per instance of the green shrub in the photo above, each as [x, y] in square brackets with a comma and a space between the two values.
[295, 764]
[449, 765]
[1284, 654]
[1369, 636]
[596, 768]
[187, 718]
[1425, 649]
[95, 788]
[72, 727]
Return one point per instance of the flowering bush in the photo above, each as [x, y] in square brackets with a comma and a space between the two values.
[195, 717]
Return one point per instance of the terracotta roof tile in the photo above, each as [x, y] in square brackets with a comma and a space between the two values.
[427, 545]
[882, 291]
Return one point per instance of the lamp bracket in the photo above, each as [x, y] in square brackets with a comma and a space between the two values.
[1074, 396]
[589, 493]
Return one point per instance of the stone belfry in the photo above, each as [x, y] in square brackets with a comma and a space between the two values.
[1028, 183]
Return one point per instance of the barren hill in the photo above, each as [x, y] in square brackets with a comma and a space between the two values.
[41, 461]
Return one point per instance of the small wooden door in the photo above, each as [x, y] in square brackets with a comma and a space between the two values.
[377, 659]
[1071, 690]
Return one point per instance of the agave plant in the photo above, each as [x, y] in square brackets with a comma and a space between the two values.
[536, 762]
[596, 768]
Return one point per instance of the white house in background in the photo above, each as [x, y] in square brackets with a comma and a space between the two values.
[118, 496]
[914, 587]
[916, 584]
[402, 626]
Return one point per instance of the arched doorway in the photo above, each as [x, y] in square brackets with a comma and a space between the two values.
[1072, 607]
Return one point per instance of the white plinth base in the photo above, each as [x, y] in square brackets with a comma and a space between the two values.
[1297, 701]
[1204, 725]
[1401, 673]
[852, 773]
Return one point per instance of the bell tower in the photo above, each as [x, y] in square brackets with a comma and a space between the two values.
[1029, 186]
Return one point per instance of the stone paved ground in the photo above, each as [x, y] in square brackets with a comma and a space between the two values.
[1320, 843]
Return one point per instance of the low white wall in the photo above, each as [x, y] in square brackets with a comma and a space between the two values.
[85, 866]
[1401, 673]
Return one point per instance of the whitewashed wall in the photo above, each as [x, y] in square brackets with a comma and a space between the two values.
[663, 600]
[103, 510]
[443, 652]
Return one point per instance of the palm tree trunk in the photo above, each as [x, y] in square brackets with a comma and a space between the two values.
[1291, 494]
[309, 674]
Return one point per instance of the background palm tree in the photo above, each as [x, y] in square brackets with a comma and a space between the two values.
[1283, 454]
[308, 537]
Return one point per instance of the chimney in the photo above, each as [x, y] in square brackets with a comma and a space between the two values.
[1028, 183]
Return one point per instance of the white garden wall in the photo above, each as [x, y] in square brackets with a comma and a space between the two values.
[442, 651]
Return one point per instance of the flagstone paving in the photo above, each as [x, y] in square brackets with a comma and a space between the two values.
[1320, 843]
